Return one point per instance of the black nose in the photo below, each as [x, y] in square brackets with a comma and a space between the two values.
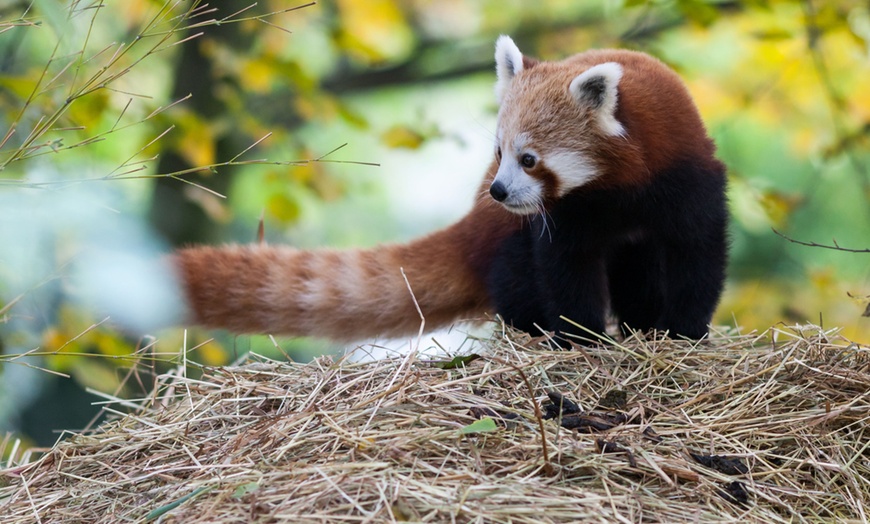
[498, 191]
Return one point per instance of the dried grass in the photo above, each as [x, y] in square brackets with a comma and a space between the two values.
[370, 442]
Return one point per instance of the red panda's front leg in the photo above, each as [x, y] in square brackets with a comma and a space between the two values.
[694, 277]
[513, 284]
[574, 289]
[535, 281]
[636, 285]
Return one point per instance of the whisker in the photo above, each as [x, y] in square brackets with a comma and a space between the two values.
[549, 231]
[545, 226]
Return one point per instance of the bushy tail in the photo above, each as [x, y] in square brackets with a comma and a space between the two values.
[345, 294]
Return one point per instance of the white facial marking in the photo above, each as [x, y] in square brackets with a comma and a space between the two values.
[572, 168]
[524, 192]
[597, 87]
[520, 142]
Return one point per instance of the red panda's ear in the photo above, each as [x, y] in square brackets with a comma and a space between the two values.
[508, 63]
[597, 89]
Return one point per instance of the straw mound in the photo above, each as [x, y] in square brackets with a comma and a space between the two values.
[736, 429]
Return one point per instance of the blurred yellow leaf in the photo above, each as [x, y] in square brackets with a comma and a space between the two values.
[283, 208]
[211, 354]
[320, 107]
[302, 173]
[257, 75]
[351, 116]
[804, 139]
[779, 206]
[713, 100]
[75, 333]
[823, 279]
[374, 30]
[19, 85]
[400, 136]
[314, 176]
[829, 16]
[175, 340]
[135, 11]
[197, 141]
[88, 110]
[111, 343]
[860, 99]
[56, 340]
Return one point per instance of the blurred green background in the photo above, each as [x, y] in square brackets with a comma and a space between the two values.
[129, 124]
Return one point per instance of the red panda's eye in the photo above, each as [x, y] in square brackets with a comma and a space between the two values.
[498, 154]
[528, 161]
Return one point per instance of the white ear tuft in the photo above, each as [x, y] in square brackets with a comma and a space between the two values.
[597, 88]
[508, 63]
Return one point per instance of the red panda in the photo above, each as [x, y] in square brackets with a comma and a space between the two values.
[604, 196]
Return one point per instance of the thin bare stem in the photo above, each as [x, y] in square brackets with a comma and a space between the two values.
[835, 246]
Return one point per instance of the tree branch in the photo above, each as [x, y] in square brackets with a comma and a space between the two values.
[835, 246]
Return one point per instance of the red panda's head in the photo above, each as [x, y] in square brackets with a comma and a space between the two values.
[601, 118]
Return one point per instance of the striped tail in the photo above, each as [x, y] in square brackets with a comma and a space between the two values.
[346, 294]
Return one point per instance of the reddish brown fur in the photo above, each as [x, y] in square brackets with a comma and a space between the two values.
[356, 294]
